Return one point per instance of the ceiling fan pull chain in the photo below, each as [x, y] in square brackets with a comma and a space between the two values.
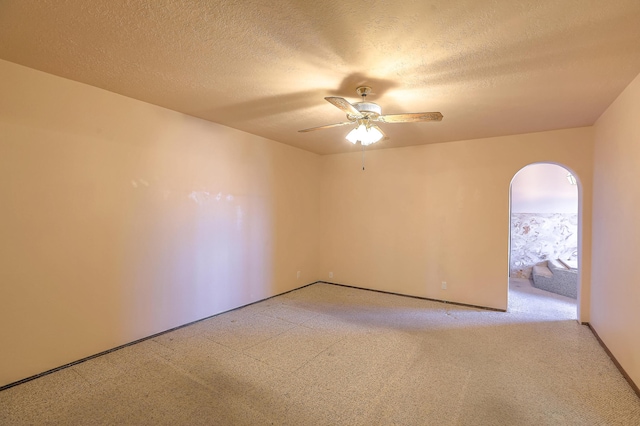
[362, 156]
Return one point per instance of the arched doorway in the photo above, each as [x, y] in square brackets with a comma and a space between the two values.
[544, 238]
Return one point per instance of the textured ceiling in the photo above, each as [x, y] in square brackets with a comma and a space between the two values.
[491, 67]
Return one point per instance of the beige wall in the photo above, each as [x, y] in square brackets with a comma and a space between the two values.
[615, 311]
[120, 219]
[421, 215]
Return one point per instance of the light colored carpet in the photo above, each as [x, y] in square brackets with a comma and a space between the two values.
[526, 299]
[331, 355]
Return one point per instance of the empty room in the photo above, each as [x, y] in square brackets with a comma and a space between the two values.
[313, 213]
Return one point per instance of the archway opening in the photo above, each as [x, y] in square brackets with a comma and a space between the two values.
[544, 242]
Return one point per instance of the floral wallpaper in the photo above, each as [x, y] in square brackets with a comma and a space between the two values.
[536, 237]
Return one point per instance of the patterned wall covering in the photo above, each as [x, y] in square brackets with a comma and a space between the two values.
[540, 236]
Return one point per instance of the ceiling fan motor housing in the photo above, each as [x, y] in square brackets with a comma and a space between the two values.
[369, 109]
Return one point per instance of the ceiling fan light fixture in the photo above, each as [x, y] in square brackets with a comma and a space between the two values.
[373, 135]
[366, 135]
[365, 114]
[354, 135]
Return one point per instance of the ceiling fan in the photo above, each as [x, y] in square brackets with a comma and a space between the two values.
[365, 115]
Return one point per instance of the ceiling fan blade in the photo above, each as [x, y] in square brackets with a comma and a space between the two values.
[328, 126]
[410, 118]
[344, 105]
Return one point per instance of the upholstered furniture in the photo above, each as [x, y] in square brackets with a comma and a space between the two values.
[555, 276]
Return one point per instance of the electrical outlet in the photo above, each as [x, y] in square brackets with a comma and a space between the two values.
[330, 274]
[298, 275]
[444, 285]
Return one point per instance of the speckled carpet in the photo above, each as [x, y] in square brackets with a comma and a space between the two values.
[331, 355]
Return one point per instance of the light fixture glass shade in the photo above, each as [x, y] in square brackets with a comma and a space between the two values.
[372, 135]
[572, 179]
[365, 135]
[354, 135]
